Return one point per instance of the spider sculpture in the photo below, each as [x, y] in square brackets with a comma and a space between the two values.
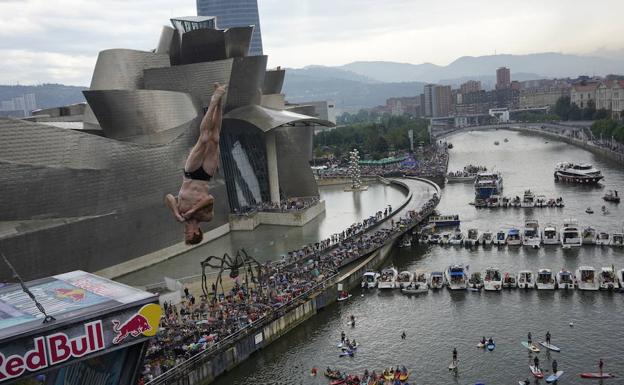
[234, 264]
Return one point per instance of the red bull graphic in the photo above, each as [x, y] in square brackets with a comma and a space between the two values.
[144, 322]
[75, 295]
[53, 349]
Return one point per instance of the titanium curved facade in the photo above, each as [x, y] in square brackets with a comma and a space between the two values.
[122, 69]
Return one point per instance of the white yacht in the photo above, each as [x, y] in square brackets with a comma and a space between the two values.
[494, 201]
[603, 239]
[531, 235]
[486, 238]
[540, 201]
[456, 277]
[617, 240]
[436, 280]
[577, 173]
[607, 279]
[570, 234]
[550, 235]
[525, 279]
[421, 278]
[586, 278]
[509, 281]
[404, 278]
[501, 238]
[528, 199]
[513, 237]
[545, 280]
[457, 238]
[445, 238]
[493, 279]
[369, 280]
[589, 236]
[388, 277]
[473, 237]
[475, 282]
[565, 279]
[434, 239]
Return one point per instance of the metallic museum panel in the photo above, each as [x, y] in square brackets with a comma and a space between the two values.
[237, 40]
[202, 45]
[142, 116]
[246, 81]
[267, 119]
[169, 44]
[273, 81]
[295, 175]
[195, 79]
[119, 69]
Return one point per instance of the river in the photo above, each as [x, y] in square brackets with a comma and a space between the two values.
[437, 322]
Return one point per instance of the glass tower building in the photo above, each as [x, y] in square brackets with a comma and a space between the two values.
[235, 13]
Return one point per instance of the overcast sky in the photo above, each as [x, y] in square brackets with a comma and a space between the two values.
[58, 40]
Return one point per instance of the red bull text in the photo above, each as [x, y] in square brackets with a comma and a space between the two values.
[134, 326]
[53, 349]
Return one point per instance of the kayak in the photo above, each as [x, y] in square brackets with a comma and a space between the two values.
[481, 345]
[388, 377]
[491, 346]
[554, 377]
[536, 372]
[597, 375]
[344, 298]
[347, 353]
[337, 382]
[550, 346]
[531, 347]
[403, 376]
[333, 375]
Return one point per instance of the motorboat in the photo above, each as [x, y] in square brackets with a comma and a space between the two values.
[540, 201]
[501, 238]
[525, 279]
[404, 278]
[475, 282]
[456, 277]
[445, 238]
[421, 277]
[577, 173]
[603, 239]
[505, 202]
[565, 279]
[513, 237]
[369, 280]
[434, 239]
[473, 237]
[607, 279]
[570, 234]
[612, 196]
[415, 288]
[528, 199]
[516, 202]
[460, 176]
[388, 278]
[496, 142]
[436, 280]
[589, 210]
[493, 201]
[493, 280]
[457, 238]
[444, 220]
[509, 281]
[586, 278]
[486, 238]
[550, 235]
[545, 280]
[617, 240]
[589, 236]
[531, 235]
[506, 140]
[488, 184]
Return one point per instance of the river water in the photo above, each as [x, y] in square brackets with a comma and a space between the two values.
[437, 322]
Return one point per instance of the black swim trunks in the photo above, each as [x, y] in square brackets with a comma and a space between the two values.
[199, 174]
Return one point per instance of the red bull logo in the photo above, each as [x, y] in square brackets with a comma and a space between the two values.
[75, 295]
[144, 322]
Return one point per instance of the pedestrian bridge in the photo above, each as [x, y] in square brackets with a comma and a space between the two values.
[576, 130]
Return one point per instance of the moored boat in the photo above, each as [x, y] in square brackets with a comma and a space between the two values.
[550, 235]
[509, 281]
[493, 201]
[445, 238]
[577, 173]
[388, 277]
[436, 280]
[525, 279]
[540, 201]
[456, 277]
[404, 278]
[369, 280]
[607, 279]
[617, 240]
[612, 196]
[570, 234]
[486, 238]
[531, 236]
[421, 277]
[565, 279]
[513, 237]
[545, 280]
[473, 237]
[586, 278]
[457, 238]
[444, 220]
[493, 279]
[528, 199]
[501, 238]
[415, 288]
[475, 282]
[434, 239]
[589, 236]
[603, 239]
[488, 184]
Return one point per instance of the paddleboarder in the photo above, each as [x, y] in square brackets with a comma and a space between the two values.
[529, 338]
[600, 364]
[554, 367]
[352, 320]
[536, 363]
[548, 337]
[403, 335]
[342, 336]
[455, 356]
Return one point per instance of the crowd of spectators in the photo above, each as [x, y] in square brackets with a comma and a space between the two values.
[285, 205]
[195, 325]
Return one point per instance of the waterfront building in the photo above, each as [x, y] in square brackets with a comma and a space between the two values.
[609, 96]
[503, 78]
[542, 92]
[235, 13]
[404, 105]
[582, 93]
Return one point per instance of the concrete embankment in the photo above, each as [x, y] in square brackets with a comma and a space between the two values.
[205, 367]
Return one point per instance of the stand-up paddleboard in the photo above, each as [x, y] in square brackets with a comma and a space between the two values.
[491, 347]
[554, 377]
[536, 372]
[550, 346]
[452, 366]
[597, 375]
[347, 353]
[529, 346]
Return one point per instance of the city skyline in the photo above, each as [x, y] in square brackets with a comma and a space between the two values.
[46, 42]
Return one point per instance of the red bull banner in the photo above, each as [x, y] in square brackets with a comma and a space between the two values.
[28, 356]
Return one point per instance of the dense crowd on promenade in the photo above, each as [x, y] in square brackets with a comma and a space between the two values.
[198, 323]
[285, 205]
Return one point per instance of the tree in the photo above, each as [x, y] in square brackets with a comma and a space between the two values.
[574, 113]
[601, 113]
[589, 110]
[562, 107]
